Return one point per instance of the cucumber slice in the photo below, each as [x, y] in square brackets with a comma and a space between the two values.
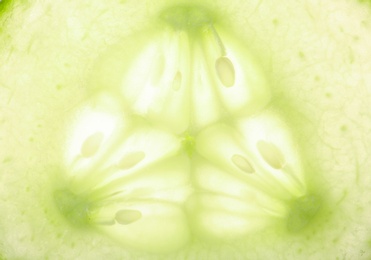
[166, 130]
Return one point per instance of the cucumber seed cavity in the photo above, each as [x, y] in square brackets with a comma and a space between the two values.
[188, 148]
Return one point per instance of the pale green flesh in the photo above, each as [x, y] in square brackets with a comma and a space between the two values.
[177, 141]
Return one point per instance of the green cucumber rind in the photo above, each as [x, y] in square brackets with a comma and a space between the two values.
[4, 4]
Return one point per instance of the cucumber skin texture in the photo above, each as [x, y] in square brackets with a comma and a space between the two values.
[299, 238]
[4, 4]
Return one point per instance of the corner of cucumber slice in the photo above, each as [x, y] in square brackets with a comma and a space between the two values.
[73, 207]
[187, 16]
[302, 212]
[4, 5]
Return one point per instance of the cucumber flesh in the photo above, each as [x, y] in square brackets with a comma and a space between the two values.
[177, 140]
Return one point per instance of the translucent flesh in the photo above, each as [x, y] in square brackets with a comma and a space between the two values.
[177, 144]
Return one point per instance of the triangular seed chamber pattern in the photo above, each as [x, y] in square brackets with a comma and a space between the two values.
[181, 144]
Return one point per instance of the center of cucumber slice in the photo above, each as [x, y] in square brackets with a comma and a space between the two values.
[182, 143]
